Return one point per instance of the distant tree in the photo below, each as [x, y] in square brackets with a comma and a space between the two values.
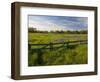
[52, 31]
[83, 31]
[34, 30]
[68, 31]
[61, 31]
[31, 29]
[58, 31]
[77, 32]
[45, 31]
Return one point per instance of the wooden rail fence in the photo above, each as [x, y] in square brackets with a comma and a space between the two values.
[54, 45]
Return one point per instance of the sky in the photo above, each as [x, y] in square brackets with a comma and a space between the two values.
[53, 23]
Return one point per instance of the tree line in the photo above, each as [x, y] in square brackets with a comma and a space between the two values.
[34, 30]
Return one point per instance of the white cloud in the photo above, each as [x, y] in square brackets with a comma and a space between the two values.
[45, 25]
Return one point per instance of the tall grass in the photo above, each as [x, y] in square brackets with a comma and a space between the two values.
[62, 56]
[72, 54]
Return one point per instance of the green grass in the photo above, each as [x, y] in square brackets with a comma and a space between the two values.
[53, 37]
[73, 54]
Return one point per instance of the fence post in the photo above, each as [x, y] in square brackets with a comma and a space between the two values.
[39, 57]
[51, 46]
[67, 43]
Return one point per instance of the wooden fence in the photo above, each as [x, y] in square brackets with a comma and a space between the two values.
[55, 45]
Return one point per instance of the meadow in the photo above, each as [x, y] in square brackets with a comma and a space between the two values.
[72, 54]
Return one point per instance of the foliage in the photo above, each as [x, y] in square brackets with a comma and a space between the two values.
[34, 30]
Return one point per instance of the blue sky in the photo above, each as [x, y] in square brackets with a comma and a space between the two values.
[48, 23]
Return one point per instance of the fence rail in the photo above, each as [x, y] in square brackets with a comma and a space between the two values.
[52, 45]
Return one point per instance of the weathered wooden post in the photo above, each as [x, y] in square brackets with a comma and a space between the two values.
[67, 43]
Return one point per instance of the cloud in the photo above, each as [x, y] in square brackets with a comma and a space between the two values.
[48, 23]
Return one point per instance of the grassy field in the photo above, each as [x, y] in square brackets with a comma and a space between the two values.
[73, 54]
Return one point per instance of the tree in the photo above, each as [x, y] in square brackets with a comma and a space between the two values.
[31, 29]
